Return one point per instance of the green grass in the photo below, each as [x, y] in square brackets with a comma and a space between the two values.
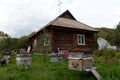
[108, 71]
[40, 70]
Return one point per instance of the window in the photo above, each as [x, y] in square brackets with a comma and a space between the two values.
[35, 43]
[81, 39]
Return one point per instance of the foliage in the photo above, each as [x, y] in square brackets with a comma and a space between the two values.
[117, 35]
[108, 55]
[97, 53]
[44, 43]
[23, 42]
[3, 34]
[117, 57]
[107, 71]
[107, 34]
[108, 64]
[111, 35]
[14, 43]
[40, 70]
[8, 43]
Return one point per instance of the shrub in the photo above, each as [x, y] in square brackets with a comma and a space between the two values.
[117, 57]
[109, 55]
[98, 53]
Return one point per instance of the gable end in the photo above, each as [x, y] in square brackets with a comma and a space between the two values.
[68, 15]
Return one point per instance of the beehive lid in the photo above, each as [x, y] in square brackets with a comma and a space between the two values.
[73, 58]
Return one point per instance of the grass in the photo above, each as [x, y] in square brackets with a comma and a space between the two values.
[40, 70]
[107, 71]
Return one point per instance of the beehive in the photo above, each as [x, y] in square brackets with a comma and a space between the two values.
[56, 57]
[23, 58]
[80, 61]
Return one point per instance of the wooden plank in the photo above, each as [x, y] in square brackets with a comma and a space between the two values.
[96, 74]
[74, 58]
[75, 64]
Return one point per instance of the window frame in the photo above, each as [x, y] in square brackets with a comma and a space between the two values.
[78, 39]
[35, 43]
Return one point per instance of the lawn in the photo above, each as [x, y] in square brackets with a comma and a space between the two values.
[40, 70]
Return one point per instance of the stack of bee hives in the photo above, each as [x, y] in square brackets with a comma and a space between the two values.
[81, 61]
[23, 58]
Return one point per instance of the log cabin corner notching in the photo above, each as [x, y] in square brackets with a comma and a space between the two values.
[66, 33]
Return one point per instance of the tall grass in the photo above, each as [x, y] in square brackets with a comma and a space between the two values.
[40, 70]
[108, 64]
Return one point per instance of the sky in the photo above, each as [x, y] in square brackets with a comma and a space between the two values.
[22, 17]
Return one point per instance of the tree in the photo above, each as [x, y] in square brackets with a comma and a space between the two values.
[3, 34]
[8, 43]
[44, 43]
[107, 34]
[117, 35]
[23, 42]
[13, 43]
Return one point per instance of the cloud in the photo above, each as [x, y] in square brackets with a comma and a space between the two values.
[22, 17]
[98, 13]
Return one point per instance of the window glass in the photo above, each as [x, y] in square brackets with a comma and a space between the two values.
[81, 39]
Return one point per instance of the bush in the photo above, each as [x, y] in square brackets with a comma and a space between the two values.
[117, 55]
[109, 55]
[98, 53]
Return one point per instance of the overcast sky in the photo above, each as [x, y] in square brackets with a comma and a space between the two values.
[22, 17]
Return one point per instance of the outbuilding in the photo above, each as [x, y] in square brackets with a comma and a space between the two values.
[66, 33]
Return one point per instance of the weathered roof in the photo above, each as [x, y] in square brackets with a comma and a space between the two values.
[69, 23]
[67, 20]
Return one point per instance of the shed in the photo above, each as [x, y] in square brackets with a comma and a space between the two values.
[66, 33]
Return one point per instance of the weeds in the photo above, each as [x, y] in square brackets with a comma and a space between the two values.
[40, 70]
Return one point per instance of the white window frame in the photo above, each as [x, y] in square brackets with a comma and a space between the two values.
[80, 39]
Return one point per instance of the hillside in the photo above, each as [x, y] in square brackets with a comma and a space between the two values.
[106, 33]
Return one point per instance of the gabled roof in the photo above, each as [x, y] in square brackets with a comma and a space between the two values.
[67, 14]
[69, 23]
[67, 20]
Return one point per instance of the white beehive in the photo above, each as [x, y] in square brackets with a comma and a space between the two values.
[23, 59]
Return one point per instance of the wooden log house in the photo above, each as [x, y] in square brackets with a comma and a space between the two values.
[66, 33]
